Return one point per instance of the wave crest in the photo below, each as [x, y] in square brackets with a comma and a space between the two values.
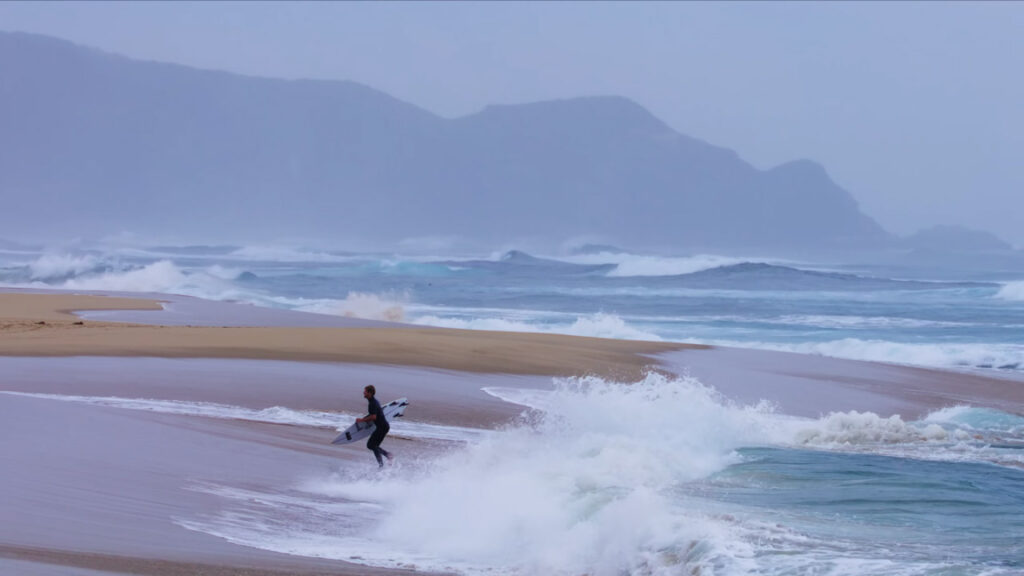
[599, 325]
[1012, 291]
[388, 307]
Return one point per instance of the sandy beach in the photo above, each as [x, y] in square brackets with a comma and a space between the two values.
[91, 488]
[42, 325]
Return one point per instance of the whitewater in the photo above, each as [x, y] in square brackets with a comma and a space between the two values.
[964, 321]
[664, 476]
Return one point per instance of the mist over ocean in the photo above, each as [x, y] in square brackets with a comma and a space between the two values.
[662, 477]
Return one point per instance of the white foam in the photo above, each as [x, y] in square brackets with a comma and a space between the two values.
[846, 429]
[958, 434]
[860, 322]
[599, 325]
[938, 355]
[1012, 291]
[271, 415]
[163, 276]
[54, 265]
[648, 265]
[388, 307]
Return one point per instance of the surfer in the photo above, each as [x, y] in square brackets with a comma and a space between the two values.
[381, 426]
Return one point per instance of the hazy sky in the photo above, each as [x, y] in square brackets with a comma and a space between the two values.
[916, 108]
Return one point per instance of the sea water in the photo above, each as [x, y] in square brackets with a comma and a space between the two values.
[661, 477]
[962, 320]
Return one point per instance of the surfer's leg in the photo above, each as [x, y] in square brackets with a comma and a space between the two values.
[384, 433]
[374, 444]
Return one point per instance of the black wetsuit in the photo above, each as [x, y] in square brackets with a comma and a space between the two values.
[380, 431]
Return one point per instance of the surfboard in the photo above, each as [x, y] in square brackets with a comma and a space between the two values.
[360, 430]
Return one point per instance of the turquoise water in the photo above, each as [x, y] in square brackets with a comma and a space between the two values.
[924, 517]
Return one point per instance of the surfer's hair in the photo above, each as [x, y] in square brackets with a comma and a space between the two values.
[371, 390]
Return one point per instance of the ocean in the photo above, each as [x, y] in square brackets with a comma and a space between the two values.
[665, 476]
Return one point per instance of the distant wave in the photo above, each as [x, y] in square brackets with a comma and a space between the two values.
[516, 261]
[253, 253]
[189, 250]
[389, 307]
[628, 265]
[91, 272]
[857, 322]
[762, 276]
[284, 254]
[54, 266]
[827, 321]
[1012, 291]
[598, 325]
[932, 355]
[161, 276]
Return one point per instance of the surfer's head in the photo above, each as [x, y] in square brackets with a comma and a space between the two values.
[369, 391]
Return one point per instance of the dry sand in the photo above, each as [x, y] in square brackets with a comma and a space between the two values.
[89, 489]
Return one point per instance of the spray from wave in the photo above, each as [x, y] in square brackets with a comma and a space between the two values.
[54, 266]
[389, 307]
[583, 484]
[596, 478]
[107, 273]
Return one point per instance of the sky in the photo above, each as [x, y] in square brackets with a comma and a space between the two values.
[917, 108]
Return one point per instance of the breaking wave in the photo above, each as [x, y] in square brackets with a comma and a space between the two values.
[597, 478]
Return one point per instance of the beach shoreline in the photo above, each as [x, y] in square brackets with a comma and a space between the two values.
[106, 493]
[42, 325]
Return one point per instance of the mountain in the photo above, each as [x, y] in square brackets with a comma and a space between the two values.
[96, 144]
[956, 239]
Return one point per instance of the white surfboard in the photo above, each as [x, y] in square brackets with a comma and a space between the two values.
[360, 430]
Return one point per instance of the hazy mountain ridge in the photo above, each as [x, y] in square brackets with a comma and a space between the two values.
[96, 143]
[956, 238]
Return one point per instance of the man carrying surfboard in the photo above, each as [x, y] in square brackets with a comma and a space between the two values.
[380, 422]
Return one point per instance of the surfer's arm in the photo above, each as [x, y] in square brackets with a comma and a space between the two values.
[367, 418]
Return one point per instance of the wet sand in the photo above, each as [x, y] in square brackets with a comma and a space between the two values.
[90, 489]
[41, 325]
